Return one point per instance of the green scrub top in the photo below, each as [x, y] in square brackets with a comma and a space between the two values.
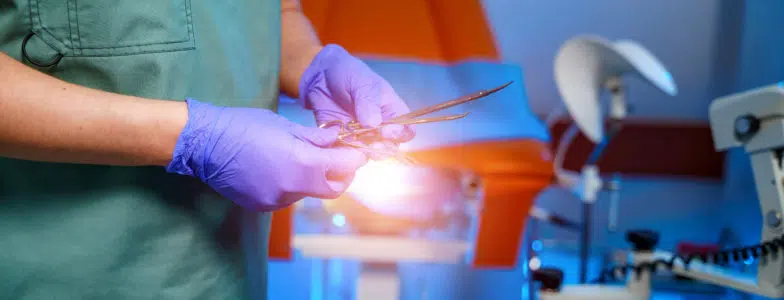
[97, 232]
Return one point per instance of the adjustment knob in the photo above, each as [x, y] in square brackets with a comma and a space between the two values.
[549, 278]
[642, 240]
[746, 126]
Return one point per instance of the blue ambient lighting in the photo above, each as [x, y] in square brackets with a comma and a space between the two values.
[339, 220]
[536, 245]
[750, 260]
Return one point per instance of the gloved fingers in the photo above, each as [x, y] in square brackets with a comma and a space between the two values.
[342, 162]
[374, 103]
[367, 102]
[338, 186]
[382, 150]
[320, 137]
[375, 147]
[392, 106]
[397, 133]
[324, 116]
[325, 108]
[340, 165]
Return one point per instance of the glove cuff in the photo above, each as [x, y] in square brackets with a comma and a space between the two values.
[187, 158]
[315, 71]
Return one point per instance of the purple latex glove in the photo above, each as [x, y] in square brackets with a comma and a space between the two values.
[339, 86]
[259, 159]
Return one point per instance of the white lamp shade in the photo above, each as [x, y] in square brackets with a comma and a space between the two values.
[585, 63]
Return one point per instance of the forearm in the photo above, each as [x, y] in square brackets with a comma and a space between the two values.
[46, 119]
[299, 44]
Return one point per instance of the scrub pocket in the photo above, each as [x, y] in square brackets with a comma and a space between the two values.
[85, 28]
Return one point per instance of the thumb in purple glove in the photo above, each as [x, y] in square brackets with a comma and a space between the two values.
[339, 86]
[260, 160]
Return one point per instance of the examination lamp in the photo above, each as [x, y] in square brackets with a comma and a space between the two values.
[587, 64]
[584, 67]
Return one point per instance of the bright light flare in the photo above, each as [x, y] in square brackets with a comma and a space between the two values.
[390, 187]
[534, 263]
[339, 220]
[381, 180]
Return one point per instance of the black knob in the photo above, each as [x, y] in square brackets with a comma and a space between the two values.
[746, 127]
[642, 240]
[549, 278]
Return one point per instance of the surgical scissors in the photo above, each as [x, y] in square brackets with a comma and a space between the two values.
[353, 129]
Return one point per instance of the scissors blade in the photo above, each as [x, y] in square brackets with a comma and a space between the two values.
[448, 104]
[404, 122]
[430, 120]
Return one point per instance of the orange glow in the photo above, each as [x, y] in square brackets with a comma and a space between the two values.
[281, 234]
[513, 173]
[431, 30]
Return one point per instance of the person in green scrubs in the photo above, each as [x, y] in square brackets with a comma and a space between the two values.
[140, 153]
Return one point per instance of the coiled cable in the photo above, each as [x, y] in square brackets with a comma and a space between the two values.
[764, 249]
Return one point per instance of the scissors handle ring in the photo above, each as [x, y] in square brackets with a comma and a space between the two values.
[333, 123]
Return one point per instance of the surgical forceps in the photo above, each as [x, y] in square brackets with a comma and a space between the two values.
[350, 131]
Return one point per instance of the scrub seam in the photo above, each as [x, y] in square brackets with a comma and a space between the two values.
[189, 19]
[189, 38]
[78, 32]
[70, 22]
[35, 18]
[73, 43]
[73, 24]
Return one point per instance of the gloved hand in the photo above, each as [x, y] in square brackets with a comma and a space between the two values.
[259, 159]
[339, 86]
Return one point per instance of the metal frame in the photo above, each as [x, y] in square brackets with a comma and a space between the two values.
[763, 140]
[590, 183]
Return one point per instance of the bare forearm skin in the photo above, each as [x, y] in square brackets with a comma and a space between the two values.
[299, 45]
[46, 119]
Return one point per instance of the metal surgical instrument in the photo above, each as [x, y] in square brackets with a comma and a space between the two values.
[349, 132]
